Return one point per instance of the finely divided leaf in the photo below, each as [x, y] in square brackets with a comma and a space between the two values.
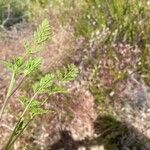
[8, 65]
[55, 89]
[16, 65]
[43, 33]
[34, 108]
[26, 46]
[38, 111]
[44, 84]
[67, 74]
[30, 49]
[32, 65]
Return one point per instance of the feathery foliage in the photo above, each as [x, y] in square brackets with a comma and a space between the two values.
[44, 84]
[32, 48]
[67, 74]
[32, 65]
[41, 36]
[34, 108]
[19, 66]
[16, 65]
[47, 84]
[54, 89]
[22, 67]
[43, 33]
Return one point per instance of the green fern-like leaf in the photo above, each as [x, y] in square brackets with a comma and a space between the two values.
[37, 111]
[8, 65]
[32, 65]
[55, 89]
[26, 46]
[41, 35]
[32, 48]
[44, 84]
[43, 32]
[34, 107]
[67, 74]
[16, 65]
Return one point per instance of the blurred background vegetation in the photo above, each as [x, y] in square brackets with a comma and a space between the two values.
[126, 20]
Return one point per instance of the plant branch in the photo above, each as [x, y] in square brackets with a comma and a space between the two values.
[8, 94]
[20, 119]
[16, 88]
[12, 141]
[12, 134]
[28, 105]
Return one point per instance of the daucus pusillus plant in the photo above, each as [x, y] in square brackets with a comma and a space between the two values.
[22, 67]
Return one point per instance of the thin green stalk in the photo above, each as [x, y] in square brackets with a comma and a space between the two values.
[28, 105]
[8, 146]
[13, 138]
[13, 133]
[10, 93]
[12, 81]
[21, 81]
[10, 88]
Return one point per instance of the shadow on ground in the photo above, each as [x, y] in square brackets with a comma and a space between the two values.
[112, 134]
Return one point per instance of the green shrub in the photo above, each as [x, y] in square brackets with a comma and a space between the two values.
[14, 11]
[11, 12]
[127, 20]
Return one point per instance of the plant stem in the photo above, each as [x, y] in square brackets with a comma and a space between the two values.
[12, 135]
[28, 105]
[12, 141]
[11, 93]
[10, 88]
[8, 94]
[16, 88]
